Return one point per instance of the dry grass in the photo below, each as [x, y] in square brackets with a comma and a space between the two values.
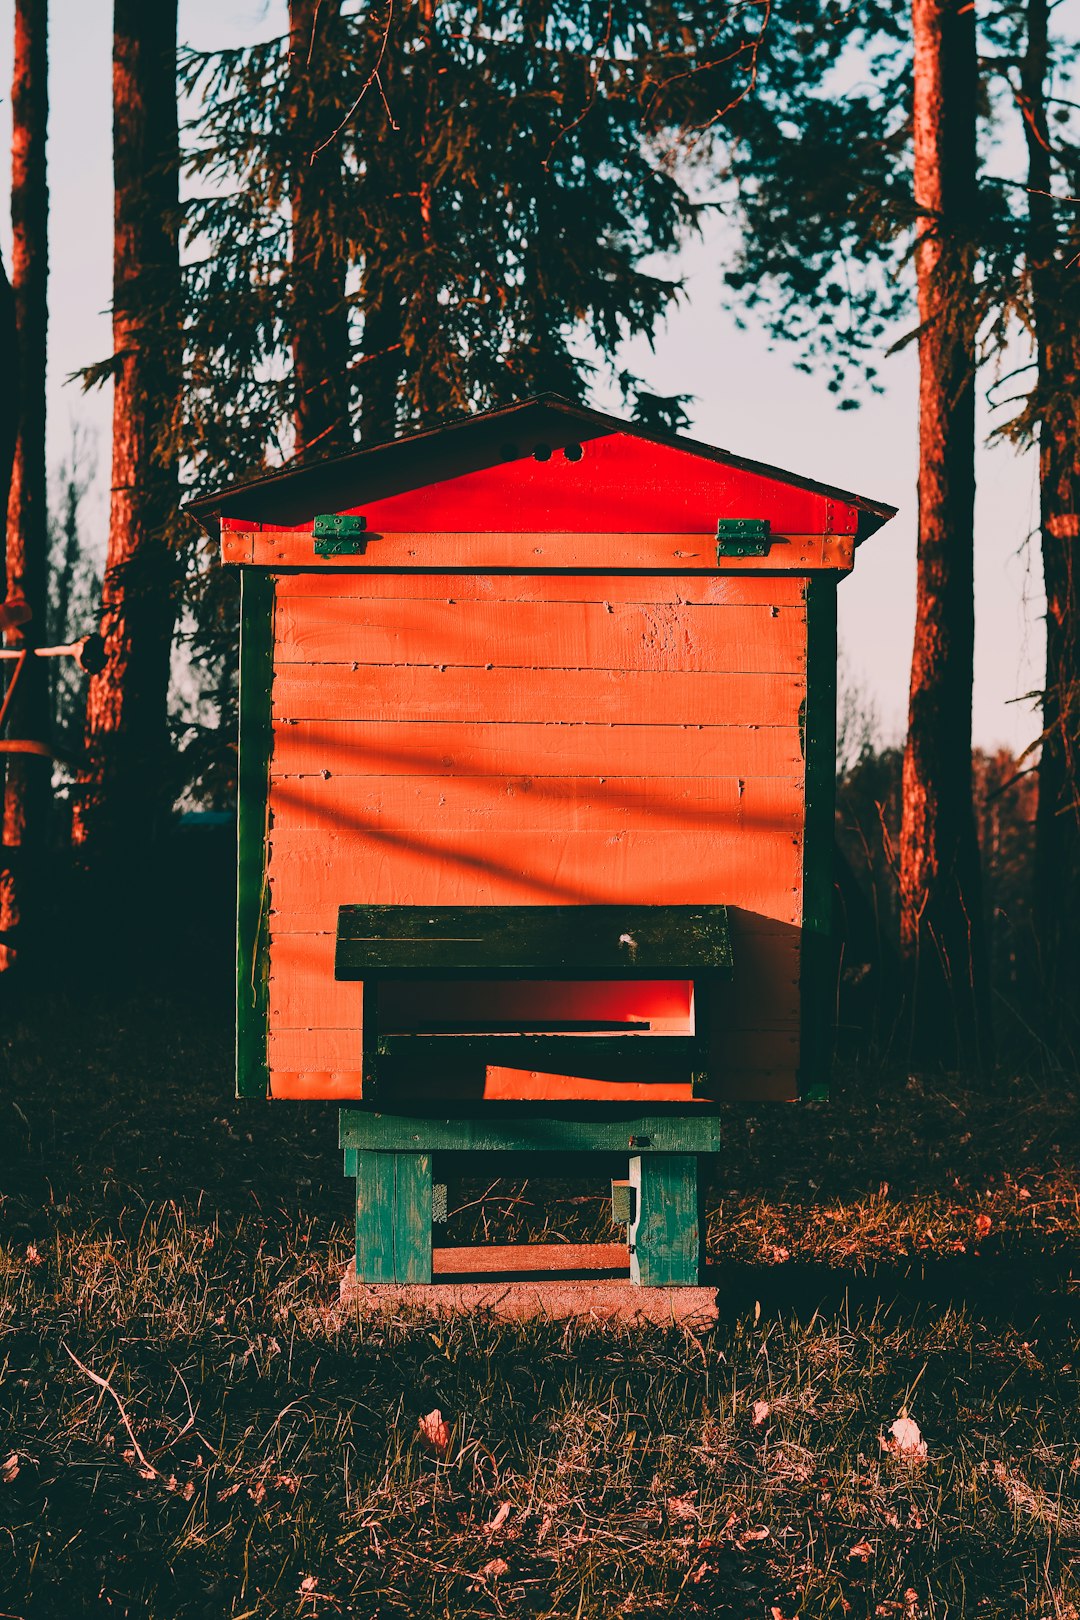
[256, 1451]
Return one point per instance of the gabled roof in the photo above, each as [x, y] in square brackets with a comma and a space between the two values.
[473, 444]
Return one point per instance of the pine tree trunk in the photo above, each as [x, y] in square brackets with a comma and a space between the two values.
[320, 316]
[403, 237]
[27, 788]
[1056, 307]
[942, 934]
[126, 787]
[9, 402]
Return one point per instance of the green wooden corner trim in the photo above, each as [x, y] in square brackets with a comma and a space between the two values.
[513, 1129]
[255, 744]
[817, 989]
[393, 1217]
[666, 1232]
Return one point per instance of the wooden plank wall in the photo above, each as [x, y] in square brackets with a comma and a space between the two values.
[502, 739]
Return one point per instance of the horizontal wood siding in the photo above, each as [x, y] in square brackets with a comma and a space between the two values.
[521, 740]
[531, 750]
[749, 590]
[618, 636]
[451, 694]
[431, 867]
[503, 804]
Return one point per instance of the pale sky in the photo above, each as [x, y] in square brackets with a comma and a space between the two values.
[749, 399]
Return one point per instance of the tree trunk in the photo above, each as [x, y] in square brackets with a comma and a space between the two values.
[320, 314]
[942, 933]
[9, 406]
[28, 787]
[126, 785]
[1055, 301]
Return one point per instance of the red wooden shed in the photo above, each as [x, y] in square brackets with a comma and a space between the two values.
[550, 681]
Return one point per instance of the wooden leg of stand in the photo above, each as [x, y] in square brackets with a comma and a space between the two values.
[393, 1217]
[666, 1233]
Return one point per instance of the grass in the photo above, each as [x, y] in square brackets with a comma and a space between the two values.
[190, 1426]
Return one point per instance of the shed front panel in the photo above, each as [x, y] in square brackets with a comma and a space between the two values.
[513, 739]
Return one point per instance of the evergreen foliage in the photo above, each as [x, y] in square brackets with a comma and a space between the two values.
[500, 186]
[820, 173]
[499, 182]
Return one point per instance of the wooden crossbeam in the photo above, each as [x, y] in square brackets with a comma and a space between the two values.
[534, 941]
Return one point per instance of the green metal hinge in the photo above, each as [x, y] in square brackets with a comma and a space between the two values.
[742, 537]
[339, 534]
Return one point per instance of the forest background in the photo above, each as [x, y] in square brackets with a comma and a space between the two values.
[746, 393]
[742, 301]
[191, 1426]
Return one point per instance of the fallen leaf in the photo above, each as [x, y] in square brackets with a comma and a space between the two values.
[862, 1550]
[911, 1604]
[308, 1586]
[287, 1482]
[10, 1468]
[759, 1413]
[499, 1520]
[257, 1491]
[777, 1253]
[1023, 1194]
[759, 1532]
[682, 1509]
[983, 1224]
[496, 1567]
[545, 1526]
[33, 1258]
[435, 1430]
[188, 1491]
[905, 1440]
[698, 1575]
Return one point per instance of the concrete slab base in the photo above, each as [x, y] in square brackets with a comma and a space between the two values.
[558, 1299]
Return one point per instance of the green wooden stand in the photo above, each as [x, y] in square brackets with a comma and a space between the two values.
[390, 1156]
[393, 1217]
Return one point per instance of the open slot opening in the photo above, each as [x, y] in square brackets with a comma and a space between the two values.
[630, 1007]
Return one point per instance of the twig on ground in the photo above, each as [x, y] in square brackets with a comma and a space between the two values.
[103, 1383]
